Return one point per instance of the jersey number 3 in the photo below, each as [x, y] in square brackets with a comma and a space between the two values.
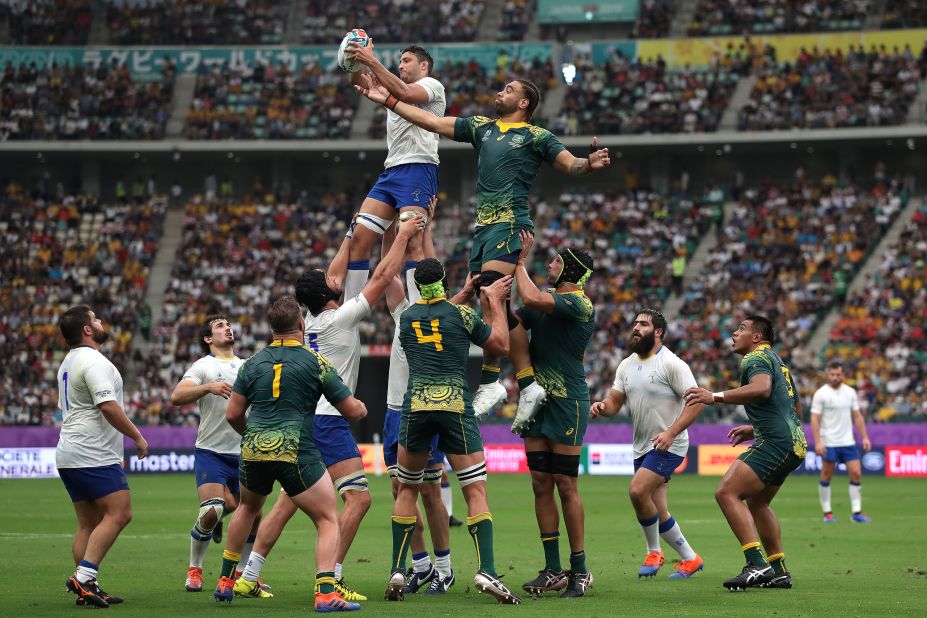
[434, 337]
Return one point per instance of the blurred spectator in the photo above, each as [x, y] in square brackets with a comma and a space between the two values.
[517, 16]
[46, 22]
[904, 14]
[654, 18]
[723, 17]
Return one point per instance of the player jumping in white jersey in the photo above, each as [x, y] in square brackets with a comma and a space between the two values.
[332, 330]
[89, 454]
[834, 412]
[208, 382]
[652, 382]
[410, 177]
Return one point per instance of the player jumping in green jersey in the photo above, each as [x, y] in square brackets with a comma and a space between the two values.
[282, 384]
[561, 322]
[770, 398]
[511, 151]
[435, 336]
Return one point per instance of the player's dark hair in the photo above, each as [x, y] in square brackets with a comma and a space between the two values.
[835, 364]
[312, 291]
[422, 54]
[762, 325]
[657, 318]
[577, 266]
[284, 315]
[206, 329]
[72, 323]
[532, 93]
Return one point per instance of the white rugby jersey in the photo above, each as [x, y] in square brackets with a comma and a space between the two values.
[398, 380]
[214, 433]
[334, 334]
[836, 407]
[407, 143]
[654, 387]
[86, 379]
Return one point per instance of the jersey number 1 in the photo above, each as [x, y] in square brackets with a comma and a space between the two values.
[434, 337]
[788, 381]
[278, 371]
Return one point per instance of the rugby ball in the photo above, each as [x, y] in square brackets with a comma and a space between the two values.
[354, 36]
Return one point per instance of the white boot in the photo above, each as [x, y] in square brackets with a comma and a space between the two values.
[529, 402]
[487, 396]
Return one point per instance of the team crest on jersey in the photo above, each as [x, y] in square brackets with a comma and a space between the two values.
[486, 135]
[517, 140]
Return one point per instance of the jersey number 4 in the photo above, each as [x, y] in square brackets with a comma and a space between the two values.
[434, 337]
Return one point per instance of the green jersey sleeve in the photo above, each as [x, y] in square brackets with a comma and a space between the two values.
[241, 380]
[755, 363]
[547, 144]
[575, 307]
[478, 329]
[469, 129]
[332, 387]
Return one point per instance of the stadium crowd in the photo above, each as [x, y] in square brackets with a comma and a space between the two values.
[46, 22]
[70, 103]
[517, 16]
[271, 102]
[904, 14]
[723, 17]
[654, 18]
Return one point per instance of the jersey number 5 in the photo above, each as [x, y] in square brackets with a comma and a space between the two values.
[788, 381]
[434, 337]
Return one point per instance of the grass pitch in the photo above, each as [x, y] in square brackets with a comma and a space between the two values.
[840, 569]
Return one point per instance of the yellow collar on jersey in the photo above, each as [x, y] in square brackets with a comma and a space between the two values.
[554, 291]
[505, 126]
[224, 357]
[430, 301]
[287, 343]
[763, 346]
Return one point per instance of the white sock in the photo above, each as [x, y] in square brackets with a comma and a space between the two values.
[339, 567]
[356, 279]
[254, 566]
[651, 532]
[421, 563]
[85, 571]
[198, 552]
[672, 534]
[414, 294]
[447, 497]
[246, 550]
[824, 495]
[856, 497]
[443, 562]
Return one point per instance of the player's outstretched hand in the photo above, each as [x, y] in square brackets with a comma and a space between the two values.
[372, 89]
[432, 208]
[867, 445]
[820, 449]
[597, 409]
[739, 434]
[527, 240]
[359, 53]
[663, 440]
[599, 157]
[221, 388]
[141, 445]
[411, 226]
[698, 395]
[469, 287]
[498, 291]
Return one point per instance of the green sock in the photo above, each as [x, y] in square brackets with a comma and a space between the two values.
[753, 554]
[230, 560]
[488, 374]
[525, 378]
[578, 561]
[480, 527]
[325, 580]
[551, 542]
[777, 562]
[402, 537]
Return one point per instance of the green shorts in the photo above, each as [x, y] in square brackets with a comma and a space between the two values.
[295, 478]
[772, 463]
[561, 420]
[492, 242]
[458, 434]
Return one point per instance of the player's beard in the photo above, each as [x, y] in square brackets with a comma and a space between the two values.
[504, 110]
[100, 336]
[644, 344]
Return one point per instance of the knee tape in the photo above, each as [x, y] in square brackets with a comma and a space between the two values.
[540, 461]
[356, 481]
[216, 505]
[567, 465]
[373, 222]
[409, 477]
[392, 471]
[472, 474]
[433, 475]
[487, 277]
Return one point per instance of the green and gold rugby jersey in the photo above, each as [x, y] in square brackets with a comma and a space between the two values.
[775, 419]
[283, 383]
[435, 335]
[558, 344]
[510, 155]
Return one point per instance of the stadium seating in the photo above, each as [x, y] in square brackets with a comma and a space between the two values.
[831, 89]
[46, 22]
[653, 19]
[61, 102]
[722, 17]
[60, 251]
[904, 14]
[517, 16]
[196, 22]
[271, 103]
[390, 21]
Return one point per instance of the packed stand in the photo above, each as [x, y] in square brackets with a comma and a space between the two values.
[58, 251]
[880, 335]
[46, 22]
[196, 22]
[654, 18]
[271, 102]
[75, 103]
[517, 16]
[471, 89]
[624, 96]
[787, 252]
[833, 89]
[904, 14]
[723, 17]
[391, 21]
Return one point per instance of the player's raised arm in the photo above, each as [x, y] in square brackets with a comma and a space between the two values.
[188, 391]
[407, 93]
[391, 263]
[338, 268]
[497, 343]
[417, 116]
[530, 295]
[759, 387]
[577, 166]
